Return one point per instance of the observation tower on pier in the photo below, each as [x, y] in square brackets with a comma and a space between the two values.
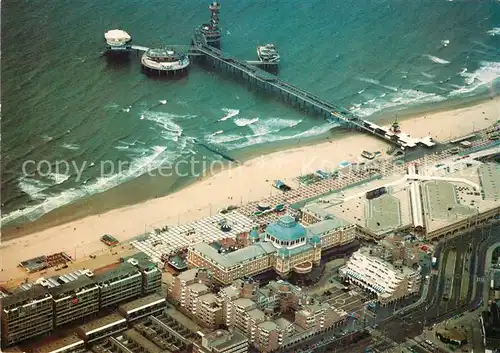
[211, 30]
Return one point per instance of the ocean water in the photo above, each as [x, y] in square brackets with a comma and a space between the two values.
[69, 114]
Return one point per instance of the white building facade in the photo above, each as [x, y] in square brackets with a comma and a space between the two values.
[388, 282]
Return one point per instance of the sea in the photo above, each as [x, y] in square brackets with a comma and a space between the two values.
[84, 132]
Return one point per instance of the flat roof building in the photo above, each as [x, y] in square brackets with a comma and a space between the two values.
[75, 300]
[222, 341]
[26, 314]
[69, 344]
[102, 327]
[142, 307]
[118, 284]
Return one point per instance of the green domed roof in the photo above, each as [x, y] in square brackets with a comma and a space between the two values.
[315, 239]
[284, 252]
[254, 234]
[286, 229]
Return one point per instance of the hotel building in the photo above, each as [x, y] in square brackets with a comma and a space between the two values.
[387, 281]
[284, 246]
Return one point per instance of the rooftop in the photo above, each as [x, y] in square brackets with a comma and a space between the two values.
[142, 341]
[101, 322]
[142, 302]
[58, 344]
[323, 227]
[383, 213]
[198, 287]
[441, 204]
[72, 287]
[244, 303]
[268, 326]
[25, 296]
[121, 271]
[286, 229]
[256, 314]
[489, 174]
[235, 257]
[222, 339]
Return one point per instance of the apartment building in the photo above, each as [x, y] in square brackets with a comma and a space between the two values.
[151, 275]
[75, 300]
[26, 314]
[118, 283]
[208, 310]
[387, 281]
[222, 341]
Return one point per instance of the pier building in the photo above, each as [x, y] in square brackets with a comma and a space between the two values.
[118, 41]
[284, 246]
[211, 31]
[164, 61]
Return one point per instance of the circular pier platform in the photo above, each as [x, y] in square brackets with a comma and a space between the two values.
[117, 41]
[164, 62]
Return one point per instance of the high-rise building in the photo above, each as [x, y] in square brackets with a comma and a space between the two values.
[26, 314]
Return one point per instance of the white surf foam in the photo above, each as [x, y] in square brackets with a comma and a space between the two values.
[396, 99]
[427, 75]
[229, 113]
[245, 122]
[170, 130]
[251, 140]
[33, 188]
[484, 76]
[377, 82]
[437, 60]
[267, 126]
[59, 178]
[494, 32]
[70, 146]
[153, 159]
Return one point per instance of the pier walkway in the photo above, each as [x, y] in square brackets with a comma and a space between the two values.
[291, 94]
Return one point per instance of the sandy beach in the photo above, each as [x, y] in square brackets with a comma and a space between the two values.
[247, 182]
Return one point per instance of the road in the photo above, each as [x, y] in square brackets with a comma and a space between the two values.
[434, 309]
[467, 259]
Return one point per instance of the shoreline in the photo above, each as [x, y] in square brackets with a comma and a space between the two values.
[84, 207]
[92, 205]
[229, 186]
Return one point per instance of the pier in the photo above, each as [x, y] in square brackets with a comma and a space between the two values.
[205, 46]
